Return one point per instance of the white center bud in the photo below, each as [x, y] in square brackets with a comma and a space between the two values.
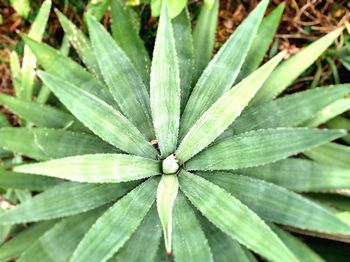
[170, 165]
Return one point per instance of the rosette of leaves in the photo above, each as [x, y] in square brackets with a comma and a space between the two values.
[144, 161]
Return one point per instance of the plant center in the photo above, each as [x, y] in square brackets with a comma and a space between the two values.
[170, 165]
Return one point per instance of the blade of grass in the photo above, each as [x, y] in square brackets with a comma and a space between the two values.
[29, 61]
[288, 71]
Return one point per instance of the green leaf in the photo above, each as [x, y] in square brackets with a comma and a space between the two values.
[22, 7]
[340, 122]
[260, 147]
[175, 7]
[97, 9]
[222, 113]
[4, 230]
[100, 117]
[44, 93]
[276, 204]
[29, 61]
[222, 71]
[3, 120]
[331, 154]
[224, 248]
[184, 50]
[334, 109]
[68, 233]
[190, 243]
[123, 217]
[204, 37]
[299, 249]
[65, 199]
[165, 87]
[288, 111]
[146, 238]
[166, 195]
[24, 181]
[121, 77]
[23, 240]
[80, 43]
[44, 143]
[233, 218]
[41, 115]
[287, 72]
[96, 168]
[261, 42]
[128, 39]
[61, 66]
[16, 74]
[301, 175]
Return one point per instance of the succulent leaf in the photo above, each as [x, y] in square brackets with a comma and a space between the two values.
[330, 154]
[146, 238]
[261, 42]
[43, 143]
[12, 180]
[289, 111]
[65, 199]
[276, 204]
[188, 237]
[123, 217]
[223, 112]
[41, 115]
[100, 117]
[222, 71]
[301, 175]
[120, 75]
[166, 196]
[70, 231]
[184, 50]
[233, 217]
[165, 86]
[204, 37]
[96, 168]
[260, 147]
[24, 239]
[128, 39]
[80, 43]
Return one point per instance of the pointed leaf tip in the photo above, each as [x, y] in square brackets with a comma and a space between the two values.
[166, 195]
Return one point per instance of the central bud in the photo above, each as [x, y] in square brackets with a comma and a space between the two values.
[170, 165]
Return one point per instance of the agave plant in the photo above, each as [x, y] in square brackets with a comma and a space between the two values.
[153, 164]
